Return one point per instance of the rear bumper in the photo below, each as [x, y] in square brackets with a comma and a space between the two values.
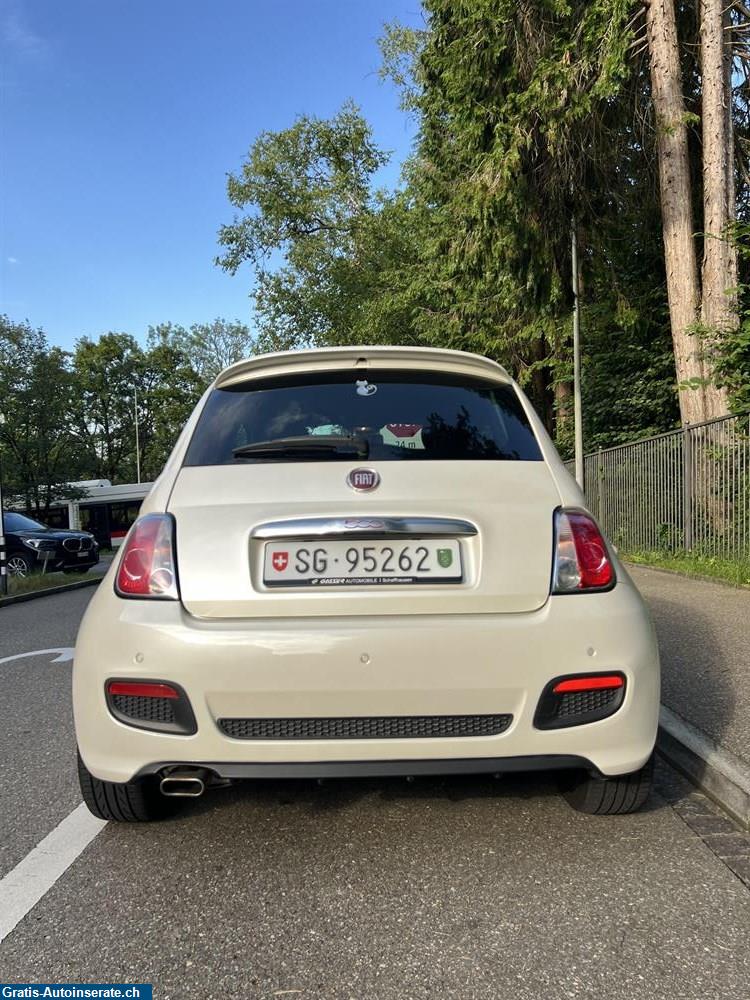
[381, 666]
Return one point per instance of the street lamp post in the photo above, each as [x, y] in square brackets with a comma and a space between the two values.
[577, 408]
[137, 440]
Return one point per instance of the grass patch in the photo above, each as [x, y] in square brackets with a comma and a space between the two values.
[734, 571]
[39, 581]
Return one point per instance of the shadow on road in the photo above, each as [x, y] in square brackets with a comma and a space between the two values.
[340, 794]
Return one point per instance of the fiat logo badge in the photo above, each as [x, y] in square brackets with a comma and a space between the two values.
[363, 480]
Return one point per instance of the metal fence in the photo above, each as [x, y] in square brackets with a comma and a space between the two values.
[684, 490]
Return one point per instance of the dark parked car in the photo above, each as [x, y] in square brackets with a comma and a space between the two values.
[29, 545]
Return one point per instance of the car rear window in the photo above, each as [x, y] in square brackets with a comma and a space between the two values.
[402, 416]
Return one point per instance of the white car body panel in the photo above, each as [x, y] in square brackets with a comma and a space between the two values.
[506, 565]
[489, 644]
[416, 665]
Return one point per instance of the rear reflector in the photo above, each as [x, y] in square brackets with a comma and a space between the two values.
[581, 558]
[142, 689]
[147, 563]
[580, 699]
[588, 683]
[159, 705]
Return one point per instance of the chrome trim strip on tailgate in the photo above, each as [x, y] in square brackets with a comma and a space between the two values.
[364, 527]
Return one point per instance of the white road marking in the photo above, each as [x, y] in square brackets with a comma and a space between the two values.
[64, 653]
[32, 878]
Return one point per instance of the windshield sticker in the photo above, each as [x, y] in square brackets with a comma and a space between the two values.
[403, 435]
[365, 388]
[328, 429]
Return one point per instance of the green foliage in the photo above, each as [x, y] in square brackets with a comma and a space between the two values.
[527, 120]
[310, 182]
[38, 447]
[522, 124]
[67, 417]
[732, 364]
[401, 51]
[207, 348]
[114, 375]
[343, 250]
[107, 373]
[695, 564]
[514, 114]
[169, 387]
[730, 349]
[628, 380]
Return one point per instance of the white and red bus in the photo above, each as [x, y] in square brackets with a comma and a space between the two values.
[106, 511]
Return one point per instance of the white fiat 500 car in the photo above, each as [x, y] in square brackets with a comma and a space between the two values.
[363, 561]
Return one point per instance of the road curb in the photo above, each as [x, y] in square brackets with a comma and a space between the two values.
[32, 595]
[716, 771]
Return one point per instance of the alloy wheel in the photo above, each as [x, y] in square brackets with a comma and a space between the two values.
[18, 567]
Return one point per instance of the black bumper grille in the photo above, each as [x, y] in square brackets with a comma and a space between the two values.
[366, 727]
[582, 702]
[163, 715]
[77, 544]
[561, 709]
[144, 709]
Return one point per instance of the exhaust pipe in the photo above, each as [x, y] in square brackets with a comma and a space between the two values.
[184, 784]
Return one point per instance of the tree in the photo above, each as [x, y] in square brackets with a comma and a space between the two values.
[207, 348]
[107, 374]
[730, 353]
[531, 113]
[719, 276]
[38, 451]
[168, 389]
[699, 398]
[113, 376]
[520, 131]
[307, 199]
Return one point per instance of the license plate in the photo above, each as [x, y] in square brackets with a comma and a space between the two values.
[82, 555]
[371, 563]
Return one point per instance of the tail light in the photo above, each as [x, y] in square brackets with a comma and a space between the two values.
[147, 565]
[581, 559]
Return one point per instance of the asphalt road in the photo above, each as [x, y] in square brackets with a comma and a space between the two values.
[704, 639]
[369, 890]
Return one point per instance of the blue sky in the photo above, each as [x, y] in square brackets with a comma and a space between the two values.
[119, 124]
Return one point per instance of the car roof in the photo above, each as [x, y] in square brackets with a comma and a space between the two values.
[361, 359]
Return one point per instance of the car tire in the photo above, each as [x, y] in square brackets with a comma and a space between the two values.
[130, 802]
[600, 796]
[20, 565]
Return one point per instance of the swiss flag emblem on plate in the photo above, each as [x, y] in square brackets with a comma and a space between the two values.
[280, 561]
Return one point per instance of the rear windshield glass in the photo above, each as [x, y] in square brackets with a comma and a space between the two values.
[388, 416]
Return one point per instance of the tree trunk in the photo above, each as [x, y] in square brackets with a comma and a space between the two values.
[563, 404]
[719, 271]
[680, 258]
[541, 386]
